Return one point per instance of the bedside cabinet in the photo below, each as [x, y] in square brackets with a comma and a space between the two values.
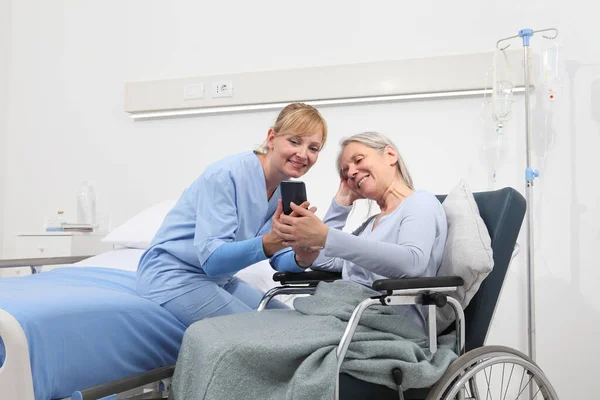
[60, 244]
[56, 244]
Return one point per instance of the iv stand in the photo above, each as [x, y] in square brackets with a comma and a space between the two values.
[530, 175]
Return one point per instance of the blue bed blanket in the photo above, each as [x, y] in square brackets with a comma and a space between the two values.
[87, 326]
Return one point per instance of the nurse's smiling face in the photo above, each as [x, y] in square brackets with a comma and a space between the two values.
[292, 145]
[293, 154]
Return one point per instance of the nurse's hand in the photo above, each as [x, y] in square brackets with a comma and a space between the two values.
[304, 230]
[272, 242]
[278, 227]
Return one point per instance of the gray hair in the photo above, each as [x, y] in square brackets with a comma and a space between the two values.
[378, 142]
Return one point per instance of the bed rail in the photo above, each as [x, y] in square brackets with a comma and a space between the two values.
[124, 384]
[15, 374]
[33, 263]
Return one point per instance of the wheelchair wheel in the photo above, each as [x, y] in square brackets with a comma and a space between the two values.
[492, 371]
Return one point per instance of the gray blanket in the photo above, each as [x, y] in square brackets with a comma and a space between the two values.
[287, 354]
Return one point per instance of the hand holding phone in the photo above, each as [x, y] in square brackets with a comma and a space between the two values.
[292, 191]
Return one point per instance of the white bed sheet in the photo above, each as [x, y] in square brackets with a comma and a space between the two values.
[125, 258]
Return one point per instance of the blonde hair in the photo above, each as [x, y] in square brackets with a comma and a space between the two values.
[378, 142]
[299, 119]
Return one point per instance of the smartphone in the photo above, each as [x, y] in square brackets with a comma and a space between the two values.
[292, 191]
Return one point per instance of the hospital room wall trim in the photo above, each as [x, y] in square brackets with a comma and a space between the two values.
[360, 83]
[316, 103]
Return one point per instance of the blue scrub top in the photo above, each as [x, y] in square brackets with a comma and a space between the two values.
[226, 204]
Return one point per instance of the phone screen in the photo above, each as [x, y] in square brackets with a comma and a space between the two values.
[292, 191]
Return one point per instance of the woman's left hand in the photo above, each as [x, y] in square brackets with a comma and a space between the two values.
[303, 230]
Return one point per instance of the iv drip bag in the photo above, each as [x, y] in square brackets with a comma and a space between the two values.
[502, 99]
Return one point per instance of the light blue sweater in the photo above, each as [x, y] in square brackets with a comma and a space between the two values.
[409, 242]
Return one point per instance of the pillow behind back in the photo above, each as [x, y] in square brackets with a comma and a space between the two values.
[468, 250]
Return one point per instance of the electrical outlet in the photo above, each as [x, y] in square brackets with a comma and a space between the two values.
[222, 89]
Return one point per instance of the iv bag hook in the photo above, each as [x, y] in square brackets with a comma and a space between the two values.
[527, 33]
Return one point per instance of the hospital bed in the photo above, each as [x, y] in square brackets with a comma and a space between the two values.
[77, 329]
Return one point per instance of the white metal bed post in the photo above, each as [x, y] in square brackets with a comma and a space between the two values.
[530, 175]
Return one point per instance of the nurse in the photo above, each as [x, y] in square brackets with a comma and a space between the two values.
[222, 224]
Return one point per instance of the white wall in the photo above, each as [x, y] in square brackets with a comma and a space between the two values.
[5, 30]
[70, 59]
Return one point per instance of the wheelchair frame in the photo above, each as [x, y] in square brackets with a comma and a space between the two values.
[430, 292]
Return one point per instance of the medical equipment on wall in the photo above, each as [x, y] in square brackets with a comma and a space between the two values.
[550, 71]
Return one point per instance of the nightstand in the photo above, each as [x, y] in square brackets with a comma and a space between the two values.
[60, 244]
[56, 244]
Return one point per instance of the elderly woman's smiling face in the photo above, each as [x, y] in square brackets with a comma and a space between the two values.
[367, 171]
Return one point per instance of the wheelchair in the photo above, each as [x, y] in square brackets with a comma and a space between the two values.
[480, 372]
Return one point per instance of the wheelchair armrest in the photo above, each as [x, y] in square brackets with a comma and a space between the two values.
[417, 283]
[306, 277]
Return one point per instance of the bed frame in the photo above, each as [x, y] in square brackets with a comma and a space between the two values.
[16, 381]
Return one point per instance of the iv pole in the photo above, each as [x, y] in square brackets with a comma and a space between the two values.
[530, 175]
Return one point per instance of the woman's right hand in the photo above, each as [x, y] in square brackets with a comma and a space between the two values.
[272, 241]
[346, 196]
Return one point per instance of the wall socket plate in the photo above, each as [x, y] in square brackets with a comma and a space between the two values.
[193, 91]
[222, 89]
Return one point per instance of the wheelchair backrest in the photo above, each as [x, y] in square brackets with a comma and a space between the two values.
[502, 211]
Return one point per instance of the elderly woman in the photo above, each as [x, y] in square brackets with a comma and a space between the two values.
[280, 354]
[405, 240]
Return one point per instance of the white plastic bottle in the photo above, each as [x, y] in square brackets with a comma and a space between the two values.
[86, 204]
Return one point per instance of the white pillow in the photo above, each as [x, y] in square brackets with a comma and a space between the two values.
[138, 232]
[259, 275]
[125, 259]
[468, 250]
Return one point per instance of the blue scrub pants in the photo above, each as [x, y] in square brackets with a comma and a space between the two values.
[212, 300]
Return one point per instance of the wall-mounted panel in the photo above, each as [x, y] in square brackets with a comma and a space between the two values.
[441, 75]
